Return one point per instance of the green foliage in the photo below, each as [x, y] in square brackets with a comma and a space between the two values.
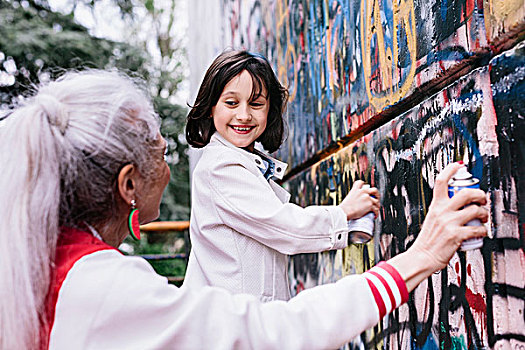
[161, 243]
[41, 44]
[176, 201]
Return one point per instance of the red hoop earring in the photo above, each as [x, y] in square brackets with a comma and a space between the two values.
[133, 221]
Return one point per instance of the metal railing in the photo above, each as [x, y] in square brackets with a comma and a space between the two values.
[160, 227]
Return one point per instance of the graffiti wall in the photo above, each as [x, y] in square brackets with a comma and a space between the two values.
[390, 91]
[478, 301]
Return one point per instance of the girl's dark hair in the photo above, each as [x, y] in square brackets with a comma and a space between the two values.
[225, 67]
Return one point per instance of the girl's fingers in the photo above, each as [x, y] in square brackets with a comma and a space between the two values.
[358, 184]
[441, 183]
[373, 191]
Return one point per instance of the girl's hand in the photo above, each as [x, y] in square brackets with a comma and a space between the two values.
[360, 201]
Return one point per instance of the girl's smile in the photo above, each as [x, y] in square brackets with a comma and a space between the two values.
[240, 116]
[242, 129]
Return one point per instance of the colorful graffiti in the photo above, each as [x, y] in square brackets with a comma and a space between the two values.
[479, 300]
[346, 61]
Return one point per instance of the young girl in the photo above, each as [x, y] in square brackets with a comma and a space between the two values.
[242, 226]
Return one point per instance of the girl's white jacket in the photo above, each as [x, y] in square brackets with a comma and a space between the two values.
[242, 227]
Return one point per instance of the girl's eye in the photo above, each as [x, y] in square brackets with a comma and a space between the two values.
[257, 104]
[230, 103]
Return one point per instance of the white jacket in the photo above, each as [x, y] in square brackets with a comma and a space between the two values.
[111, 301]
[242, 227]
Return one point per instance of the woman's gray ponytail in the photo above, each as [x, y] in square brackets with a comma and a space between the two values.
[60, 152]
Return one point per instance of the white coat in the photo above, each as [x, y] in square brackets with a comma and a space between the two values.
[112, 301]
[242, 227]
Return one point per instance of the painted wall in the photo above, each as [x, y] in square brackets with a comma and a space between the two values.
[389, 92]
[479, 300]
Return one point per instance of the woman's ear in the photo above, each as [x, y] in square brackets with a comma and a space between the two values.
[127, 182]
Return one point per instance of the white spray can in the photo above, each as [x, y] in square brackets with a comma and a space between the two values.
[361, 230]
[461, 180]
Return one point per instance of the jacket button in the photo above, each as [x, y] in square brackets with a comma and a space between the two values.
[339, 237]
[278, 169]
[257, 161]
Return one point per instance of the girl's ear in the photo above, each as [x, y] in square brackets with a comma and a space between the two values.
[127, 182]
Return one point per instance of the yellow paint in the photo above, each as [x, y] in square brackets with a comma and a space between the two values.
[290, 56]
[404, 17]
[502, 15]
[353, 262]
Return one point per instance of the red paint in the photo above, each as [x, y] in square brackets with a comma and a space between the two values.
[445, 98]
[476, 302]
[456, 267]
[299, 287]
[394, 131]
[478, 305]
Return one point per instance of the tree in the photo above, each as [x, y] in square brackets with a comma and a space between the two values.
[37, 44]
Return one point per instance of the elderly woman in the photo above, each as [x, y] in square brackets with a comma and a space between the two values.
[82, 166]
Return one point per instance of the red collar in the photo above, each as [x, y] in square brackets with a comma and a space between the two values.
[72, 245]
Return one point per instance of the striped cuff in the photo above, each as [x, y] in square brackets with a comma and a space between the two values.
[388, 287]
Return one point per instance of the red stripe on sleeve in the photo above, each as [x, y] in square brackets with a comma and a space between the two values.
[397, 277]
[387, 287]
[378, 299]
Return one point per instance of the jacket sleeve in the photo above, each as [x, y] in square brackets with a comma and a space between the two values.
[109, 301]
[249, 206]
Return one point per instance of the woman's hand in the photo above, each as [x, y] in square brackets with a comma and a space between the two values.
[444, 227]
[360, 201]
[443, 230]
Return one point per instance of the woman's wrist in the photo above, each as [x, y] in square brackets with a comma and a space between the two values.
[387, 286]
[414, 266]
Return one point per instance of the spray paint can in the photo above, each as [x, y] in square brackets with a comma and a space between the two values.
[461, 180]
[361, 230]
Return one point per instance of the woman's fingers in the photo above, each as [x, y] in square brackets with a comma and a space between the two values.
[372, 191]
[441, 183]
[472, 212]
[468, 232]
[466, 197]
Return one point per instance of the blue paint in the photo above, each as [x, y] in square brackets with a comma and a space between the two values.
[444, 9]
[430, 343]
[312, 55]
[450, 54]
